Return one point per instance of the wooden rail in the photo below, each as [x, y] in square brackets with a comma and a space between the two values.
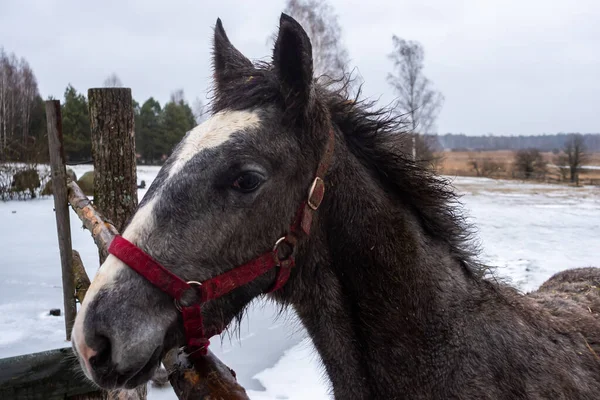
[48, 375]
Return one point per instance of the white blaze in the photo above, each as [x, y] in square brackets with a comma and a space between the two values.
[212, 133]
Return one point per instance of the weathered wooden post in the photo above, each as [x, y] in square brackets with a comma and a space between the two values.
[113, 151]
[115, 181]
[61, 207]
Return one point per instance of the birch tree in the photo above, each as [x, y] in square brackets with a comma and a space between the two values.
[576, 155]
[330, 56]
[18, 97]
[417, 100]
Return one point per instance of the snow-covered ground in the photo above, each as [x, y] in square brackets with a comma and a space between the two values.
[529, 231]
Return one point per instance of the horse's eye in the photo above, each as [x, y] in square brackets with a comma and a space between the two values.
[247, 182]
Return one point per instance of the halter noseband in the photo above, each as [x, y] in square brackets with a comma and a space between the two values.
[213, 288]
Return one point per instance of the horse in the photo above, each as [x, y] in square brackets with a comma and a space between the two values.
[370, 248]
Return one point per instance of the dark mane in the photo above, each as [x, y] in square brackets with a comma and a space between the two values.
[379, 139]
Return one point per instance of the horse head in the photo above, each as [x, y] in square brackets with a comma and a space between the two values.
[231, 188]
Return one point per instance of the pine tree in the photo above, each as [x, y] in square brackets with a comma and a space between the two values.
[149, 141]
[177, 120]
[36, 148]
[38, 120]
[76, 126]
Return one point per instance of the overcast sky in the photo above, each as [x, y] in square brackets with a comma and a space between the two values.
[504, 66]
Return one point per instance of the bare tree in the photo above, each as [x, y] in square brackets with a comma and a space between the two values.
[9, 78]
[177, 96]
[317, 17]
[29, 92]
[113, 81]
[561, 161]
[417, 100]
[18, 96]
[4, 88]
[426, 147]
[529, 164]
[575, 150]
[486, 166]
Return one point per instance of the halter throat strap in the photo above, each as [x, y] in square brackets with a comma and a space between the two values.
[283, 259]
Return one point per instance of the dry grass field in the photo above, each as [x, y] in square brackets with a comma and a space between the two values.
[460, 163]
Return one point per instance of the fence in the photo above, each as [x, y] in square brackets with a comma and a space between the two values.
[55, 374]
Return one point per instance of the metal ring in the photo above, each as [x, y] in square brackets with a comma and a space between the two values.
[278, 242]
[291, 241]
[177, 303]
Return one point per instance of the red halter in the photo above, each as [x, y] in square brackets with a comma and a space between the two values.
[171, 284]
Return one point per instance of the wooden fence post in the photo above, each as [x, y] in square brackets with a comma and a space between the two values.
[115, 176]
[61, 207]
[113, 151]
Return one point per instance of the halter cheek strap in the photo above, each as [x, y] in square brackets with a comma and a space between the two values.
[196, 339]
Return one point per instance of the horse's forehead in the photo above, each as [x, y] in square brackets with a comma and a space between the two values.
[213, 132]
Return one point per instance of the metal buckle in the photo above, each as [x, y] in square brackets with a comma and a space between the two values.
[177, 303]
[314, 203]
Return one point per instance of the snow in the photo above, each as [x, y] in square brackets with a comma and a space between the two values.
[528, 231]
[531, 231]
[287, 379]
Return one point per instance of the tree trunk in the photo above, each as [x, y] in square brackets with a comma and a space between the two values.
[115, 182]
[113, 151]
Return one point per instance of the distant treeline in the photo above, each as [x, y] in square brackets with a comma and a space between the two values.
[159, 128]
[452, 141]
[23, 119]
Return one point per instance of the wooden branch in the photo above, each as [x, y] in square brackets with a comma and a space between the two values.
[47, 375]
[102, 231]
[209, 378]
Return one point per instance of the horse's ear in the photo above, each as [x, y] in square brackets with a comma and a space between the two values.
[228, 62]
[292, 59]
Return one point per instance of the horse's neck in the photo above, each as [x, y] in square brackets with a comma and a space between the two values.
[379, 293]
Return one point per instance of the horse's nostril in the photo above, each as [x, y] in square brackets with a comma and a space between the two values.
[101, 361]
